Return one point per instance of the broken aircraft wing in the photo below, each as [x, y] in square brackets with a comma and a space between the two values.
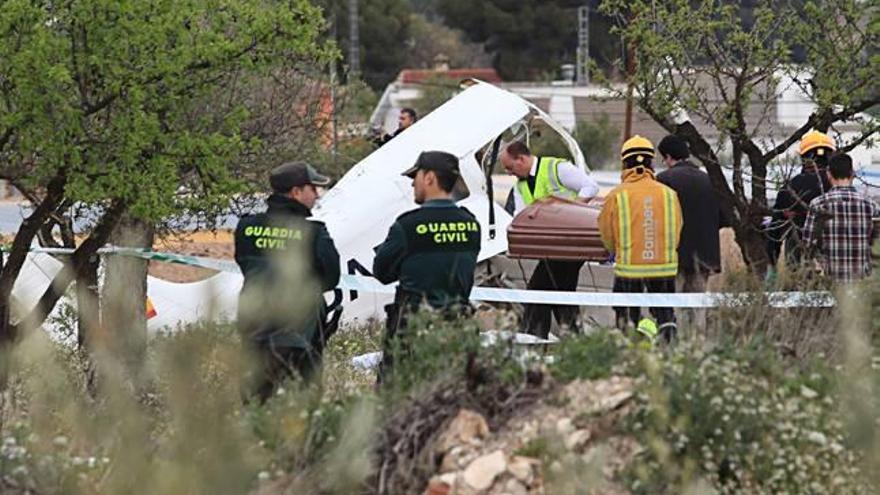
[361, 207]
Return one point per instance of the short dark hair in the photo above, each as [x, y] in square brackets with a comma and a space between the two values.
[675, 147]
[445, 179]
[517, 149]
[841, 166]
[410, 112]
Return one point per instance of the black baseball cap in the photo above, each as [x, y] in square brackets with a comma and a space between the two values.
[294, 174]
[440, 161]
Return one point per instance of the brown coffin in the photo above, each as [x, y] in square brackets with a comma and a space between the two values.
[557, 229]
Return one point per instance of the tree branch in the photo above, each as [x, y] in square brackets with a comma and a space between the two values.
[47, 237]
[79, 262]
[6, 136]
[820, 119]
[25, 236]
[861, 139]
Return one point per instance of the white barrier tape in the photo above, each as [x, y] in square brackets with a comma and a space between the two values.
[180, 259]
[815, 299]
[690, 300]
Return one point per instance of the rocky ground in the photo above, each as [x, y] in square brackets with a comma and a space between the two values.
[560, 441]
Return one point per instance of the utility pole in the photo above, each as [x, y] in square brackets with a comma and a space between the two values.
[354, 41]
[630, 72]
[583, 48]
[335, 135]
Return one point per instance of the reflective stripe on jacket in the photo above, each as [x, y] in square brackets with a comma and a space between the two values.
[640, 223]
[547, 182]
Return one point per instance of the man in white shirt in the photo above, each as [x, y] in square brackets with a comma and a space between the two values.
[541, 177]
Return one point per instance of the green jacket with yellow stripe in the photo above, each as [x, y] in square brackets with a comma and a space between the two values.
[433, 252]
[287, 262]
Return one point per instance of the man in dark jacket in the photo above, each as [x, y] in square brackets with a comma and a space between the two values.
[405, 120]
[432, 251]
[794, 197]
[699, 249]
[287, 262]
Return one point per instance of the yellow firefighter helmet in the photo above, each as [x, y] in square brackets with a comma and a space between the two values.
[815, 140]
[637, 146]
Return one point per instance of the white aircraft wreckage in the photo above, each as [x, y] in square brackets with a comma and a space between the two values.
[361, 207]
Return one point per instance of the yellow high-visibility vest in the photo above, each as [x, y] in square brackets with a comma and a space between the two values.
[547, 182]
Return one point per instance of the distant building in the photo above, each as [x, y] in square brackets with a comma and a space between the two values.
[408, 87]
[769, 118]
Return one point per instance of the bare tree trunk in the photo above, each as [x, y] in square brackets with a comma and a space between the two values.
[18, 253]
[77, 265]
[759, 184]
[6, 333]
[738, 184]
[753, 245]
[125, 292]
[87, 304]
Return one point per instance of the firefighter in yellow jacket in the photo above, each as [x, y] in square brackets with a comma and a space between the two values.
[640, 224]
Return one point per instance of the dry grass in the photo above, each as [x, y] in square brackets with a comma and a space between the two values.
[218, 245]
[180, 427]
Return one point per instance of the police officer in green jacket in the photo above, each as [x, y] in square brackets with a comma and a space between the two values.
[287, 262]
[432, 251]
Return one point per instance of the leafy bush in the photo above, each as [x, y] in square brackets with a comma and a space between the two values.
[536, 448]
[715, 417]
[598, 141]
[729, 414]
[350, 150]
[445, 368]
[588, 357]
[180, 427]
[431, 349]
[435, 91]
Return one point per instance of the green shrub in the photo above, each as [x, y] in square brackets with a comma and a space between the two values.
[179, 427]
[718, 418]
[543, 141]
[598, 141]
[588, 357]
[430, 349]
[536, 448]
[801, 333]
[435, 91]
[340, 378]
